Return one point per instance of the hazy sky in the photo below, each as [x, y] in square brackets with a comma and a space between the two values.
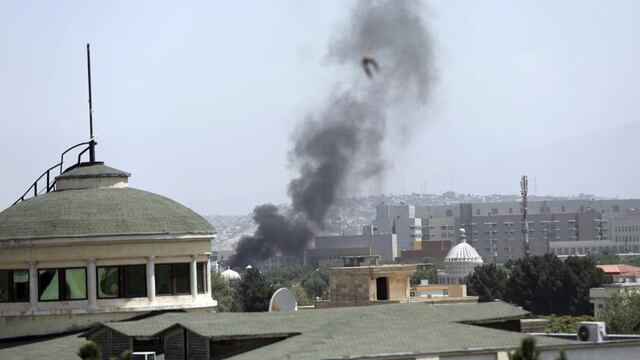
[198, 99]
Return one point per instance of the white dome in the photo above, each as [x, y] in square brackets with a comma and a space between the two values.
[230, 275]
[463, 252]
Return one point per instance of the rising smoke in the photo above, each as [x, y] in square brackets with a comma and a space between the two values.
[342, 144]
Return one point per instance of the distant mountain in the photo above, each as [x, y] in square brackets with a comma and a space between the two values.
[603, 161]
[230, 229]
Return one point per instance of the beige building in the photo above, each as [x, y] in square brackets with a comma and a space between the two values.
[368, 284]
[92, 249]
[359, 283]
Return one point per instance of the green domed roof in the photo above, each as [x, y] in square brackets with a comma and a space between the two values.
[99, 212]
[93, 170]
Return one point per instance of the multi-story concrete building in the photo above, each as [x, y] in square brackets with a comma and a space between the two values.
[400, 220]
[624, 229]
[495, 229]
[499, 237]
[438, 229]
[383, 245]
[279, 261]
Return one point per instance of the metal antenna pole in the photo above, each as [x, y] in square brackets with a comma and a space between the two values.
[92, 143]
[524, 190]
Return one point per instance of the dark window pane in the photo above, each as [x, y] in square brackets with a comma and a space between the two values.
[135, 281]
[202, 277]
[108, 282]
[21, 285]
[48, 285]
[163, 279]
[76, 284]
[182, 278]
[4, 285]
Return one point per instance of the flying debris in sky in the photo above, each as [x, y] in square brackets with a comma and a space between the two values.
[368, 65]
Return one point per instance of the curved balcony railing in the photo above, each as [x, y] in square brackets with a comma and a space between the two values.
[46, 182]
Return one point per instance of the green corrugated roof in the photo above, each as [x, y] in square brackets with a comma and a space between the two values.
[60, 347]
[92, 170]
[352, 331]
[100, 211]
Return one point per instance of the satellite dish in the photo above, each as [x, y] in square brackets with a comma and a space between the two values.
[283, 300]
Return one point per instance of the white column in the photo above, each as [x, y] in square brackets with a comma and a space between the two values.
[151, 279]
[92, 284]
[33, 286]
[193, 276]
[209, 277]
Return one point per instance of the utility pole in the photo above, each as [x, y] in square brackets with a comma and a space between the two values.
[92, 142]
[524, 191]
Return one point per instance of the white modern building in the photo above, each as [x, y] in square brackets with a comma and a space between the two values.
[92, 249]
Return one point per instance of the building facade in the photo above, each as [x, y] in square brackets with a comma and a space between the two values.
[368, 285]
[96, 250]
[495, 229]
[400, 220]
[384, 245]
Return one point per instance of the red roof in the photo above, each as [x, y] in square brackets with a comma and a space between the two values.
[620, 269]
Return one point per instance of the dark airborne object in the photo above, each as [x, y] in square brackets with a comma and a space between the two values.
[369, 64]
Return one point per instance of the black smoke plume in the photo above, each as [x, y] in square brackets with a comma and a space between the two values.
[342, 144]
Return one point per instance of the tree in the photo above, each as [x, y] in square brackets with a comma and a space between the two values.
[430, 274]
[287, 276]
[609, 257]
[89, 351]
[527, 350]
[435, 263]
[536, 284]
[621, 312]
[545, 285]
[562, 356]
[488, 282]
[302, 298]
[582, 274]
[605, 257]
[254, 291]
[315, 283]
[565, 324]
[225, 294]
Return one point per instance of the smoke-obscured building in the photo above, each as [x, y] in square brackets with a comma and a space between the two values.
[279, 261]
[329, 250]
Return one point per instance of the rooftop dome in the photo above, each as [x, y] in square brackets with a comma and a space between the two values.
[463, 252]
[230, 275]
[97, 202]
